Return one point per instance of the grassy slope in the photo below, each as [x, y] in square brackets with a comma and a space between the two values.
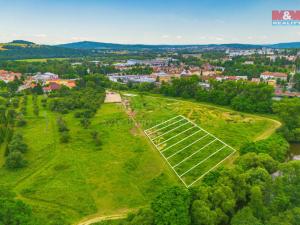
[233, 127]
[79, 180]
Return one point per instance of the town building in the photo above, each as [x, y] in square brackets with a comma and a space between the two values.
[131, 78]
[273, 75]
[65, 82]
[44, 77]
[8, 76]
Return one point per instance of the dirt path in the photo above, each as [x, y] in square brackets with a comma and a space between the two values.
[269, 131]
[112, 97]
[97, 219]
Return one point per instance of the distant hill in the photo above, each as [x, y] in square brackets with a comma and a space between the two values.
[112, 46]
[101, 45]
[286, 45]
[21, 42]
[20, 49]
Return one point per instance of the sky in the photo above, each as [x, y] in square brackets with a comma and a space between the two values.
[145, 21]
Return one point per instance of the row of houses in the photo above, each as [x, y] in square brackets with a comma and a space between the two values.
[151, 62]
[132, 78]
[8, 76]
[49, 81]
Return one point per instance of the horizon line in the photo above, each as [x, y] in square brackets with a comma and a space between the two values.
[151, 44]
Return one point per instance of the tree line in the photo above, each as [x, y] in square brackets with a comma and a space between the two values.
[240, 95]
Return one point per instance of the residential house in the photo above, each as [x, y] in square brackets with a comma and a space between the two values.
[65, 82]
[51, 87]
[273, 75]
[255, 80]
[8, 76]
[44, 77]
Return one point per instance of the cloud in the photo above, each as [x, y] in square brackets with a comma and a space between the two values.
[235, 39]
[178, 37]
[165, 36]
[218, 38]
[40, 35]
[264, 37]
[78, 38]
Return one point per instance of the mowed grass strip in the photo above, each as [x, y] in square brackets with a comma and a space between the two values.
[184, 143]
[192, 149]
[167, 131]
[176, 137]
[197, 156]
[163, 125]
[203, 167]
[172, 132]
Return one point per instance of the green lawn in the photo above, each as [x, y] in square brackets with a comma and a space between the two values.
[77, 179]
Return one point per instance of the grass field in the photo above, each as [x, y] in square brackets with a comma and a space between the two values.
[190, 150]
[41, 60]
[196, 153]
[233, 127]
[77, 179]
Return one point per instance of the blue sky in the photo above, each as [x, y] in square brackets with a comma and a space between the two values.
[147, 22]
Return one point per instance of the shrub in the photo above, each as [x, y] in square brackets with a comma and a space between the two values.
[62, 126]
[15, 160]
[21, 122]
[85, 122]
[65, 137]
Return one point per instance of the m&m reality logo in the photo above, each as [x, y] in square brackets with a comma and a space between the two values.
[286, 17]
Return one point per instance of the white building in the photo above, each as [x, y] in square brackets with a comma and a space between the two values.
[43, 77]
[273, 75]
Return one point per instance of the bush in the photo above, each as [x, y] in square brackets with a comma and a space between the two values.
[62, 126]
[65, 137]
[12, 211]
[44, 102]
[96, 138]
[17, 144]
[36, 110]
[85, 122]
[15, 160]
[21, 123]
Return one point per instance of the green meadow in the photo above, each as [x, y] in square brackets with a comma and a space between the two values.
[79, 180]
